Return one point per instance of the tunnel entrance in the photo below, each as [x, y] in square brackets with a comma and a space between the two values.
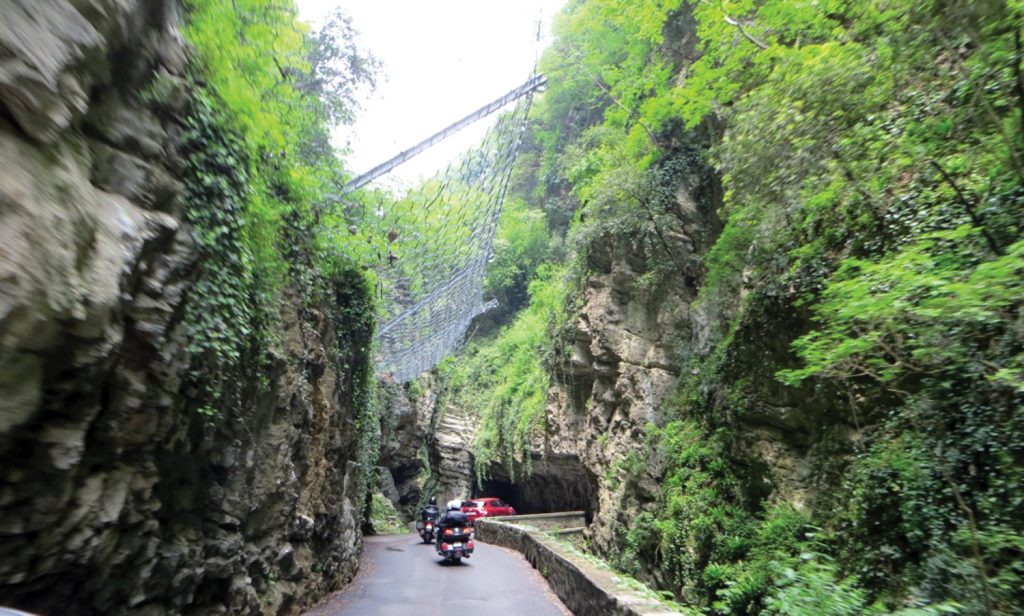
[555, 484]
[508, 492]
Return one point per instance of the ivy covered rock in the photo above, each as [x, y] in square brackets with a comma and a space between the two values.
[178, 433]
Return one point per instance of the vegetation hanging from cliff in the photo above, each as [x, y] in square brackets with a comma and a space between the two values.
[261, 172]
[227, 318]
[871, 159]
[505, 380]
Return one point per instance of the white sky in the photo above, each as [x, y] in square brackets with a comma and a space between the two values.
[442, 60]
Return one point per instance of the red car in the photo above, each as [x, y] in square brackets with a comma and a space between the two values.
[486, 507]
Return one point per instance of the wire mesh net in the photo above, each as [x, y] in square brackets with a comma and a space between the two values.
[439, 241]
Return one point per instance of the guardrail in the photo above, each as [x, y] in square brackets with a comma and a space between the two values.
[584, 587]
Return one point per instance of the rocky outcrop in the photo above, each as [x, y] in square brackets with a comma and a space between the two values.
[625, 359]
[405, 426]
[118, 497]
[451, 454]
[426, 445]
[623, 362]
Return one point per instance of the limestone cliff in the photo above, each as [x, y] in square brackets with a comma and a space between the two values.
[426, 445]
[622, 359]
[629, 349]
[118, 497]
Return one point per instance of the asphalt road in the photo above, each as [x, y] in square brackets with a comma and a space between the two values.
[400, 575]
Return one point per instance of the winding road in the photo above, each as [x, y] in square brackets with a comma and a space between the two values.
[400, 575]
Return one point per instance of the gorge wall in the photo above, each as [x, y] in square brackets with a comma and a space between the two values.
[644, 345]
[120, 493]
[426, 445]
[769, 334]
[621, 359]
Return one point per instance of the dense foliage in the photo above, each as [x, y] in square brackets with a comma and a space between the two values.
[885, 198]
[521, 245]
[258, 191]
[870, 154]
[863, 261]
[260, 183]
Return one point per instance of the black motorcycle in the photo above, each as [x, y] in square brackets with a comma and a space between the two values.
[427, 523]
[426, 529]
[455, 542]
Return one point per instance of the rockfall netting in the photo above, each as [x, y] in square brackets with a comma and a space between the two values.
[439, 239]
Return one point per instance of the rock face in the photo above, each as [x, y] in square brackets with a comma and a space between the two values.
[405, 426]
[117, 497]
[624, 361]
[426, 446]
[451, 458]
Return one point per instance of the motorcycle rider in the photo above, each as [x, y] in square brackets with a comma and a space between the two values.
[429, 511]
[459, 544]
[452, 517]
[428, 516]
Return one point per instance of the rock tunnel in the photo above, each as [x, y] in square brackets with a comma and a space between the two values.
[554, 484]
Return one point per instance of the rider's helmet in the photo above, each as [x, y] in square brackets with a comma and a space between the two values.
[433, 500]
[454, 505]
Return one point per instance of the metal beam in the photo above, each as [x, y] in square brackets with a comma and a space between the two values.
[535, 83]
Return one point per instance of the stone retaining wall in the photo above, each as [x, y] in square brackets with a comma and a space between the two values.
[584, 587]
[548, 521]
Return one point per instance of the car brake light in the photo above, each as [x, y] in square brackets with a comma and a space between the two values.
[445, 546]
[469, 544]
